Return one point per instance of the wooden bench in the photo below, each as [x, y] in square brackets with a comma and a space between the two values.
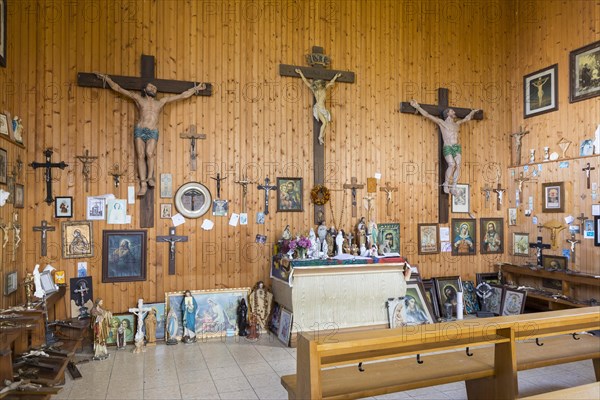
[329, 364]
[583, 392]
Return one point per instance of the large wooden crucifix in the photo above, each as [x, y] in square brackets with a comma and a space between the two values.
[317, 71]
[44, 228]
[388, 199]
[147, 76]
[172, 239]
[192, 136]
[48, 176]
[436, 110]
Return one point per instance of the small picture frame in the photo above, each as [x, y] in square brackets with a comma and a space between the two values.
[540, 91]
[19, 196]
[290, 195]
[3, 166]
[513, 301]
[512, 216]
[284, 333]
[461, 198]
[494, 301]
[4, 125]
[220, 208]
[63, 207]
[586, 148]
[47, 282]
[582, 62]
[492, 235]
[463, 236]
[553, 197]
[520, 244]
[11, 283]
[554, 263]
[447, 288]
[491, 278]
[166, 211]
[389, 237]
[166, 186]
[429, 240]
[96, 208]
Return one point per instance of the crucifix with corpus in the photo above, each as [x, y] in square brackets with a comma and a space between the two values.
[192, 136]
[449, 148]
[539, 246]
[322, 79]
[172, 239]
[44, 228]
[87, 161]
[587, 170]
[48, 176]
[353, 185]
[388, 199]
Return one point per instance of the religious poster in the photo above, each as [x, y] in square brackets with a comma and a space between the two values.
[289, 194]
[428, 239]
[116, 211]
[464, 234]
[121, 324]
[588, 229]
[389, 237]
[123, 256]
[166, 186]
[82, 296]
[492, 235]
[95, 208]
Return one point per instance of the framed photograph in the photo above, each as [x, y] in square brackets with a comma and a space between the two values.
[159, 309]
[447, 288]
[492, 235]
[513, 302]
[432, 298]
[19, 195]
[289, 194]
[4, 130]
[463, 236]
[166, 211]
[588, 229]
[10, 283]
[389, 237]
[490, 278]
[429, 240]
[3, 164]
[77, 240]
[597, 231]
[284, 333]
[96, 208]
[583, 82]
[540, 91]
[512, 217]
[127, 322]
[47, 282]
[82, 295]
[3, 33]
[214, 312]
[123, 256]
[275, 318]
[470, 300]
[553, 197]
[494, 301]
[554, 263]
[520, 244]
[460, 198]
[63, 207]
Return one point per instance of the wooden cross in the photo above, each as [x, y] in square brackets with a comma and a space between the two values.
[116, 173]
[244, 182]
[581, 219]
[487, 191]
[587, 173]
[520, 181]
[172, 239]
[500, 194]
[436, 110]
[87, 161]
[353, 185]
[218, 179]
[518, 136]
[554, 227]
[368, 200]
[5, 228]
[148, 75]
[44, 228]
[266, 187]
[192, 135]
[573, 242]
[388, 191]
[48, 165]
[539, 246]
[317, 71]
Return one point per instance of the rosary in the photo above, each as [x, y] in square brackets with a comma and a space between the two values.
[341, 213]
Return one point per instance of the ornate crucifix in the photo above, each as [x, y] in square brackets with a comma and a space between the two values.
[388, 192]
[44, 228]
[16, 226]
[487, 191]
[554, 227]
[353, 185]
[172, 239]
[587, 173]
[318, 73]
[572, 241]
[244, 183]
[581, 219]
[539, 247]
[520, 180]
[218, 179]
[140, 311]
[87, 161]
[48, 176]
[518, 136]
[436, 110]
[266, 187]
[5, 228]
[192, 136]
[499, 195]
[116, 173]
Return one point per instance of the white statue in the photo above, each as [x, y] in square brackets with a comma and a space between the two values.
[39, 292]
[3, 196]
[532, 156]
[597, 141]
[339, 242]
[140, 312]
[324, 250]
[313, 252]
[322, 232]
[363, 251]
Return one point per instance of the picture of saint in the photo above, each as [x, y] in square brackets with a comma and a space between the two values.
[413, 312]
[493, 236]
[79, 243]
[77, 239]
[289, 192]
[552, 197]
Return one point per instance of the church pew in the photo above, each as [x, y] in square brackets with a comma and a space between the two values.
[589, 391]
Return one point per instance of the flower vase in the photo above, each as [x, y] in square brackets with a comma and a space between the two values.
[301, 253]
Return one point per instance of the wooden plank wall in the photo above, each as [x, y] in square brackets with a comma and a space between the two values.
[258, 123]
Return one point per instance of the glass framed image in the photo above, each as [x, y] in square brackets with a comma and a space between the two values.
[47, 282]
[512, 217]
[491, 278]
[494, 301]
[540, 91]
[463, 236]
[513, 302]
[11, 283]
[492, 235]
[96, 208]
[429, 241]
[447, 288]
[582, 64]
[77, 240]
[432, 298]
[125, 321]
[123, 256]
[554, 263]
[460, 198]
[389, 237]
[289, 194]
[19, 195]
[220, 208]
[3, 162]
[275, 318]
[284, 333]
[520, 244]
[166, 211]
[63, 207]
[166, 186]
[470, 298]
[193, 200]
[4, 125]
[586, 148]
[597, 231]
[553, 197]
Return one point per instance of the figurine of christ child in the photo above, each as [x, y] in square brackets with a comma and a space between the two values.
[145, 131]
[452, 151]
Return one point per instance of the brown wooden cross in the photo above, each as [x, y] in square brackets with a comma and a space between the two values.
[436, 110]
[581, 219]
[572, 241]
[353, 185]
[48, 176]
[518, 136]
[487, 191]
[317, 71]
[587, 173]
[148, 75]
[86, 160]
[388, 191]
[499, 194]
[172, 239]
[244, 182]
[44, 228]
[192, 136]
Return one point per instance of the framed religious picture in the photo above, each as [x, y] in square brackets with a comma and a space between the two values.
[470, 298]
[492, 235]
[10, 283]
[166, 210]
[512, 217]
[124, 321]
[166, 186]
[389, 237]
[461, 198]
[284, 333]
[554, 263]
[123, 256]
[4, 130]
[77, 240]
[96, 208]
[417, 310]
[584, 64]
[3, 166]
[63, 207]
[494, 301]
[432, 298]
[513, 302]
[520, 244]
[597, 231]
[289, 194]
[553, 197]
[220, 208]
[275, 317]
[429, 241]
[19, 196]
[447, 288]
[540, 91]
[82, 295]
[490, 278]
[3, 33]
[463, 237]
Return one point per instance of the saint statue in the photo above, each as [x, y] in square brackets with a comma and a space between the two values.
[150, 325]
[242, 318]
[261, 301]
[100, 320]
[189, 307]
[171, 326]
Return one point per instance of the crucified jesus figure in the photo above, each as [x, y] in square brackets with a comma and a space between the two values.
[319, 89]
[452, 151]
[145, 131]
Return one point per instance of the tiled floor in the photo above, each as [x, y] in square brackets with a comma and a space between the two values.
[237, 369]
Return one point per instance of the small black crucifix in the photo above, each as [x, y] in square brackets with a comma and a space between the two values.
[587, 173]
[44, 228]
[172, 239]
[499, 196]
[116, 173]
[49, 165]
[218, 179]
[388, 191]
[266, 187]
[436, 110]
[353, 185]
[318, 62]
[192, 136]
[539, 246]
[148, 75]
[87, 161]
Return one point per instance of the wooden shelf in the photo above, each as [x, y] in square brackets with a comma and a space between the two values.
[574, 277]
[554, 161]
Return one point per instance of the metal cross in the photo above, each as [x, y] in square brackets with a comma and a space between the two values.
[192, 135]
[587, 173]
[48, 176]
[244, 182]
[266, 187]
[353, 185]
[44, 228]
[487, 191]
[218, 179]
[86, 160]
[388, 191]
[172, 239]
[520, 181]
[116, 173]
